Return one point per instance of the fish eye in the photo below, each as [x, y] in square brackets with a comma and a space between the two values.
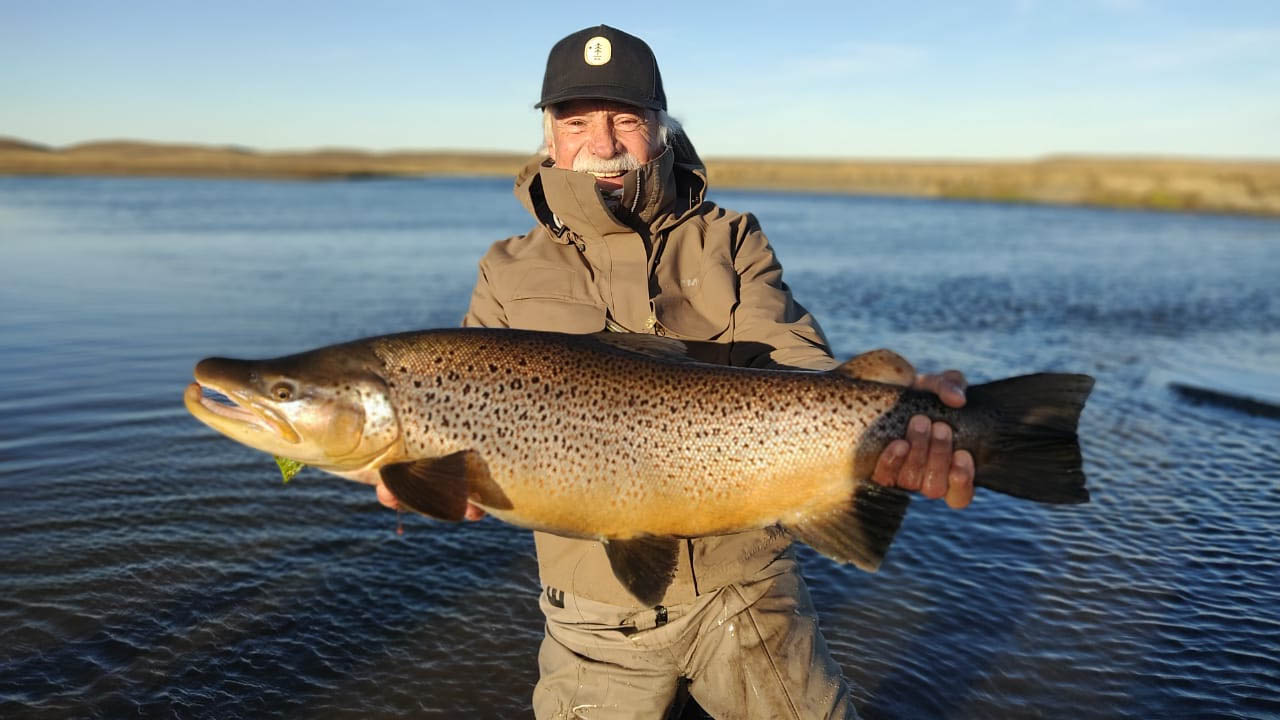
[282, 391]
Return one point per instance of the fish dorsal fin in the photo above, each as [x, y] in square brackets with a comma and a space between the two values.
[645, 565]
[663, 348]
[882, 366]
[861, 531]
[441, 486]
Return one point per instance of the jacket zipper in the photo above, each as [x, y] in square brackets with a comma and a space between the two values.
[693, 574]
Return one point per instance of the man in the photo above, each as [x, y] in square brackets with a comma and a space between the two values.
[626, 241]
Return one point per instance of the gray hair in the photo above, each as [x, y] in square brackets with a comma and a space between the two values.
[667, 128]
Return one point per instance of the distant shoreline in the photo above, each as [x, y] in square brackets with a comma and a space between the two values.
[1174, 184]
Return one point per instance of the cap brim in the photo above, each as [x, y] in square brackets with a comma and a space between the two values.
[600, 92]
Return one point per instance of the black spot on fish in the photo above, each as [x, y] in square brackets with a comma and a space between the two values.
[417, 383]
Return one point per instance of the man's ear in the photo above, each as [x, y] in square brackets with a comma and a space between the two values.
[657, 145]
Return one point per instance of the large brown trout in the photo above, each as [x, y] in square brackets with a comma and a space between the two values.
[624, 439]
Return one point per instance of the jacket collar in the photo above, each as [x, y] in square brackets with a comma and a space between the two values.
[658, 195]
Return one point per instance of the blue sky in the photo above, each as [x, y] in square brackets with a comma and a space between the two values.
[1011, 78]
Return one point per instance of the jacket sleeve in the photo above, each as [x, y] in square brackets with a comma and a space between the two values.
[485, 310]
[771, 329]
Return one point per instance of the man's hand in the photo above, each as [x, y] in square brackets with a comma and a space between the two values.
[386, 498]
[924, 461]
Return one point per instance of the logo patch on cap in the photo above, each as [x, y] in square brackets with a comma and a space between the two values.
[598, 51]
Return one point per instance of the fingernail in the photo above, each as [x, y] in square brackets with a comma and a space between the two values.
[897, 450]
[920, 425]
[941, 431]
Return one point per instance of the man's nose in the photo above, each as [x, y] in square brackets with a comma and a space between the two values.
[603, 143]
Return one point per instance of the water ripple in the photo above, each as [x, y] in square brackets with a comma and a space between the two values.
[149, 568]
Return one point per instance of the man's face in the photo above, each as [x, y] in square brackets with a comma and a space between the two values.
[602, 137]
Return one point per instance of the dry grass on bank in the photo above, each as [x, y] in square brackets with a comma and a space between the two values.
[157, 159]
[1230, 186]
[1235, 186]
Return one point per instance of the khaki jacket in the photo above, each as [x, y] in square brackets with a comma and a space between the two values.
[666, 262]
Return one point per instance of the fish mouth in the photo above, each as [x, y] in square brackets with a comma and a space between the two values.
[240, 417]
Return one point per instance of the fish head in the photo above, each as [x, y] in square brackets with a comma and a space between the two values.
[327, 408]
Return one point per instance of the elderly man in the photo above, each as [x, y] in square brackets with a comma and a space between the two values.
[625, 240]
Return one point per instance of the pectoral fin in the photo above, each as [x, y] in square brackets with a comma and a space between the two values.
[440, 486]
[860, 532]
[645, 566]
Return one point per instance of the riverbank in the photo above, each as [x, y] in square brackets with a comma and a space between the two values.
[1179, 184]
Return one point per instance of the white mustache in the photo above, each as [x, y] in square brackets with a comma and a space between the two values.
[586, 162]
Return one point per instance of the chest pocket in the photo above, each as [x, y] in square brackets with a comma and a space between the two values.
[553, 299]
[701, 307]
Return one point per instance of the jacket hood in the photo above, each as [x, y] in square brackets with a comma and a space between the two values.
[657, 196]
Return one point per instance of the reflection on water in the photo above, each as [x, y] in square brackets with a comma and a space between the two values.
[150, 567]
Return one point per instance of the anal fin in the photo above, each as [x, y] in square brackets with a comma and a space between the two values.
[439, 486]
[859, 532]
[645, 565]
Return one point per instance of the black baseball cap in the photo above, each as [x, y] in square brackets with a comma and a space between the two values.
[603, 63]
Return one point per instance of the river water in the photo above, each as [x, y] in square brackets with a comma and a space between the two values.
[149, 567]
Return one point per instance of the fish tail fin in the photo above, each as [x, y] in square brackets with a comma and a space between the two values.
[1032, 451]
[1027, 448]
